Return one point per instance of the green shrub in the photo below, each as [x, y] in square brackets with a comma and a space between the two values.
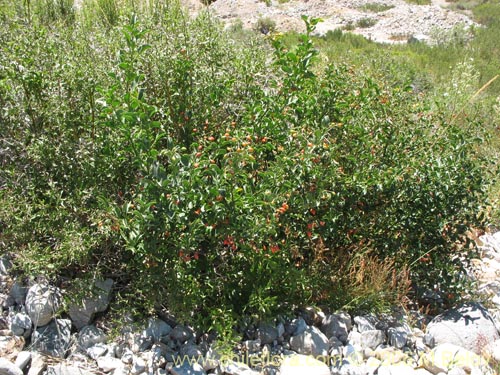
[376, 7]
[265, 25]
[366, 22]
[218, 184]
[419, 2]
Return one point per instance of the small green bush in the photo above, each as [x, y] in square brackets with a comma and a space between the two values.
[376, 7]
[419, 2]
[265, 25]
[366, 22]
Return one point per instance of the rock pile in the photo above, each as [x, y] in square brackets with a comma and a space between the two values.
[399, 22]
[36, 339]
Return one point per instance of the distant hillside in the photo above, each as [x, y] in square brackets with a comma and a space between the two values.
[389, 21]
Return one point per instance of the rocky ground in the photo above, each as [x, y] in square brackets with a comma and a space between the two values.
[462, 340]
[401, 22]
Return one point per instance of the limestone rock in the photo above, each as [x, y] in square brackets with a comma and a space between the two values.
[267, 333]
[97, 351]
[397, 337]
[493, 351]
[353, 354]
[237, 368]
[372, 364]
[18, 293]
[448, 356]
[365, 323]
[8, 368]
[42, 302]
[20, 325]
[390, 356]
[337, 325]
[63, 369]
[138, 366]
[296, 327]
[83, 312]
[469, 326]
[5, 265]
[311, 342]
[10, 346]
[157, 329]
[89, 336]
[53, 339]
[23, 359]
[372, 338]
[187, 369]
[181, 334]
[38, 364]
[397, 369]
[252, 346]
[108, 364]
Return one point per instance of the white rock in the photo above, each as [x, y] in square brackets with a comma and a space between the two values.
[397, 337]
[296, 327]
[354, 338]
[351, 369]
[372, 338]
[493, 351]
[38, 364]
[23, 359]
[97, 351]
[8, 368]
[127, 357]
[372, 364]
[108, 364]
[422, 371]
[353, 354]
[5, 265]
[138, 367]
[89, 336]
[252, 346]
[390, 355]
[469, 326]
[187, 369]
[157, 330]
[20, 325]
[337, 325]
[63, 369]
[53, 339]
[42, 302]
[311, 342]
[267, 333]
[82, 313]
[397, 369]
[365, 323]
[181, 334]
[237, 368]
[447, 356]
[18, 293]
[300, 364]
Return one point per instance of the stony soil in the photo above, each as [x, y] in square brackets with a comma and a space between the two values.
[394, 25]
